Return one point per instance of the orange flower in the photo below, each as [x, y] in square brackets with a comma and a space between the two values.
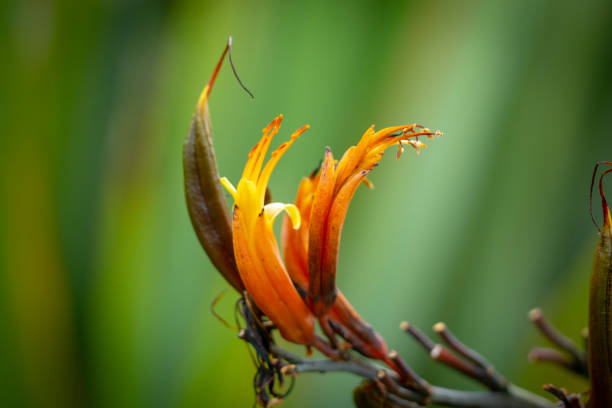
[299, 247]
[335, 188]
[249, 257]
[342, 318]
[257, 255]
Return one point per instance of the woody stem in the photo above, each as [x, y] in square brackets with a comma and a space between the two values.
[514, 397]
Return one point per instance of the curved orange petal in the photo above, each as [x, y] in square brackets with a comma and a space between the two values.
[299, 328]
[335, 222]
[316, 239]
[329, 213]
[256, 250]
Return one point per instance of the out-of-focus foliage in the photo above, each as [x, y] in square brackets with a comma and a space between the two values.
[104, 289]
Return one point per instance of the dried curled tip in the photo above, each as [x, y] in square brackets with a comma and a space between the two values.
[229, 47]
[405, 326]
[604, 204]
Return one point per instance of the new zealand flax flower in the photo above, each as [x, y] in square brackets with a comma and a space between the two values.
[245, 251]
[342, 318]
[257, 256]
[299, 248]
[335, 188]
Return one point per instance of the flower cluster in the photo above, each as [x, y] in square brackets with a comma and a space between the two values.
[295, 290]
[292, 291]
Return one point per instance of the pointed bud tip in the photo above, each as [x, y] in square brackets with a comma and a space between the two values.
[439, 327]
[535, 314]
[531, 357]
[436, 351]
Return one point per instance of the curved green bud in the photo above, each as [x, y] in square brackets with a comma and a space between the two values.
[206, 202]
[600, 314]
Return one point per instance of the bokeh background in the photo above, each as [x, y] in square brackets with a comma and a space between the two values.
[104, 290]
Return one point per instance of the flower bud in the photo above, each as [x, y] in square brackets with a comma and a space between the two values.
[600, 312]
[206, 202]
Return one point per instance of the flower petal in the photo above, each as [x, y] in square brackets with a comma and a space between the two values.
[273, 209]
[324, 195]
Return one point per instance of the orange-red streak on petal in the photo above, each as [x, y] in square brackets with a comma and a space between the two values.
[335, 222]
[295, 242]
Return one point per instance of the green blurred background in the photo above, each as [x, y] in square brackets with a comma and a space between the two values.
[104, 289]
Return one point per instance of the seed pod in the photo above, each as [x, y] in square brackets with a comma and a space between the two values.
[600, 312]
[206, 202]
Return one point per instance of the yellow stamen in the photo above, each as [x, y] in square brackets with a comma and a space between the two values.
[228, 186]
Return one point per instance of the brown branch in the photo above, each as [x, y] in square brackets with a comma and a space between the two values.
[419, 384]
[577, 359]
[491, 377]
[545, 354]
[482, 371]
[514, 397]
[418, 335]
